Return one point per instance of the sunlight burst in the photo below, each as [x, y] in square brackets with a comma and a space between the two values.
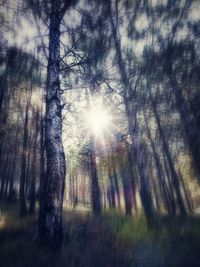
[98, 120]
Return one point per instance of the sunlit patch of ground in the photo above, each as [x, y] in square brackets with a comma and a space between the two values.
[111, 240]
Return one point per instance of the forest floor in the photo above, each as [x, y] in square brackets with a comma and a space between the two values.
[111, 240]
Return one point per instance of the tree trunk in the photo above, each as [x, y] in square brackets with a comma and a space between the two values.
[29, 155]
[32, 193]
[116, 182]
[191, 129]
[112, 186]
[186, 193]
[125, 176]
[138, 149]
[42, 156]
[50, 216]
[132, 176]
[95, 189]
[11, 194]
[161, 179]
[3, 89]
[3, 178]
[23, 208]
[174, 174]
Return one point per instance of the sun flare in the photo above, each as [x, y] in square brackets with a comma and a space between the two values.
[98, 120]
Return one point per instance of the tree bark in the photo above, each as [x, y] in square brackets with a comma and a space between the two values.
[160, 175]
[138, 149]
[95, 189]
[32, 192]
[191, 129]
[112, 185]
[23, 208]
[50, 216]
[116, 182]
[174, 174]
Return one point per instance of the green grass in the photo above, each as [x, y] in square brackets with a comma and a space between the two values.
[111, 240]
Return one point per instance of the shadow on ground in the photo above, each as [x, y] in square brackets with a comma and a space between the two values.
[109, 241]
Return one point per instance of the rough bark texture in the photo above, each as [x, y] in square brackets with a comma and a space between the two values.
[50, 217]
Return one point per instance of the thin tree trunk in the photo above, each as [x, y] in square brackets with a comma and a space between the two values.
[132, 177]
[3, 178]
[126, 183]
[191, 129]
[187, 194]
[139, 151]
[42, 156]
[170, 184]
[116, 182]
[23, 208]
[112, 186]
[11, 194]
[170, 162]
[95, 189]
[32, 192]
[29, 154]
[160, 175]
[3, 89]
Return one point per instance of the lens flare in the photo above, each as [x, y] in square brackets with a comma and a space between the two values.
[98, 120]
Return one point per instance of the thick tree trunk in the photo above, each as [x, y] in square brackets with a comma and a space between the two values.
[50, 217]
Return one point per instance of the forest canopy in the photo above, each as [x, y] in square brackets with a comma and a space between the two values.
[99, 109]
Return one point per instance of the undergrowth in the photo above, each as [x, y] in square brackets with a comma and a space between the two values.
[112, 240]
